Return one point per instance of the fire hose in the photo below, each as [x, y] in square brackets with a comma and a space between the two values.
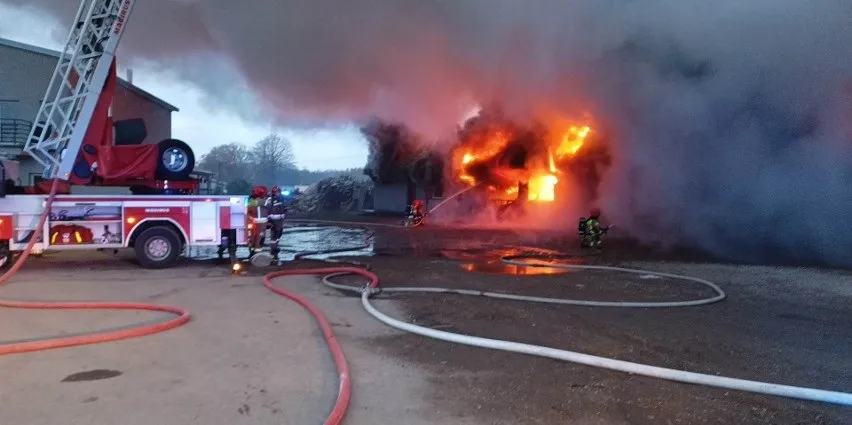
[87, 338]
[372, 289]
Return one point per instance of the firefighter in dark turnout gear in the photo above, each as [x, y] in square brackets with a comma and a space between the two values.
[277, 210]
[590, 230]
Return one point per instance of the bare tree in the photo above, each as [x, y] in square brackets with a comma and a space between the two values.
[228, 162]
[270, 158]
[268, 162]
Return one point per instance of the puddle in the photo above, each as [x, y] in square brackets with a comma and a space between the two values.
[308, 239]
[500, 268]
[491, 254]
[318, 238]
[490, 261]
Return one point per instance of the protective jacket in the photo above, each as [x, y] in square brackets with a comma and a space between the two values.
[277, 207]
[592, 226]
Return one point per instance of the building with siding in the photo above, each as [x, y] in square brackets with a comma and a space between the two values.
[25, 72]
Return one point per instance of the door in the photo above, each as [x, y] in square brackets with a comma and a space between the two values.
[204, 223]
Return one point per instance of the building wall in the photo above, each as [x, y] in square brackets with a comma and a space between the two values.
[158, 120]
[390, 198]
[28, 170]
[24, 76]
[394, 197]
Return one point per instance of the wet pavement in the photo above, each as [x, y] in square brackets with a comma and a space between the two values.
[301, 239]
[749, 335]
[779, 324]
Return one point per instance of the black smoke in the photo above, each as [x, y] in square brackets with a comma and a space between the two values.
[731, 120]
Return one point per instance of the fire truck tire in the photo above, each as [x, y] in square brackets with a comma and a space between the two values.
[175, 160]
[158, 247]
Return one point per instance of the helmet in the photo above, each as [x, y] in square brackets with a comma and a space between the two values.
[258, 192]
[276, 189]
[417, 203]
[595, 213]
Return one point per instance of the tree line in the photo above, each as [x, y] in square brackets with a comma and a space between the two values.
[269, 161]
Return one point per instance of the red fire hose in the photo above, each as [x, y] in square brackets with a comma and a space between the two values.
[94, 338]
[345, 388]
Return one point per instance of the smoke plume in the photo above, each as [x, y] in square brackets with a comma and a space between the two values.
[731, 119]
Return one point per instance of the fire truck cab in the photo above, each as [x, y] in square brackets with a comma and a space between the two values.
[157, 228]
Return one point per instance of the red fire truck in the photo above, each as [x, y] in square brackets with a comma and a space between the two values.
[78, 143]
[158, 228]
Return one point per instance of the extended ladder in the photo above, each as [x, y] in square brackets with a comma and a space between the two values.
[63, 118]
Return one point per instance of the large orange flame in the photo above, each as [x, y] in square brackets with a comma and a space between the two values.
[540, 172]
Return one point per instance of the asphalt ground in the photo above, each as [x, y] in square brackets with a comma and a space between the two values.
[249, 356]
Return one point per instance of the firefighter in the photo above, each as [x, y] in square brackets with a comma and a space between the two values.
[414, 214]
[591, 230]
[257, 213]
[277, 207]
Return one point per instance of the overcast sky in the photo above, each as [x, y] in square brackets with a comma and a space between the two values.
[199, 126]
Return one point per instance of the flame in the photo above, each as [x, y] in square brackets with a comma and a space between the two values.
[485, 146]
[543, 188]
[572, 140]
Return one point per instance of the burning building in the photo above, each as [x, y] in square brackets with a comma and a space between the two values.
[514, 166]
[549, 161]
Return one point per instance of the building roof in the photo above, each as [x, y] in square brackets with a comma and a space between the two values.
[122, 82]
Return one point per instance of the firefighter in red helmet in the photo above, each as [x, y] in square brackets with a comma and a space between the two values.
[590, 229]
[414, 214]
[277, 207]
[257, 212]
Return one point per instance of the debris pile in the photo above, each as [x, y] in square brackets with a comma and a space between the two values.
[341, 193]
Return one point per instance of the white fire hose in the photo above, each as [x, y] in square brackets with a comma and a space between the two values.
[758, 387]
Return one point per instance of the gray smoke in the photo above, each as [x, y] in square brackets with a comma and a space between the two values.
[731, 119]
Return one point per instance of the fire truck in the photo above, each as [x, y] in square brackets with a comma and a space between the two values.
[158, 228]
[77, 142]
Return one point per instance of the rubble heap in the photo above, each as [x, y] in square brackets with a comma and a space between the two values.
[341, 193]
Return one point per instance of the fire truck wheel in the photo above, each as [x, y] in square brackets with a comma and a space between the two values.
[157, 248]
[175, 160]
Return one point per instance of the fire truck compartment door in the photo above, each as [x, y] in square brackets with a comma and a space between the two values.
[205, 222]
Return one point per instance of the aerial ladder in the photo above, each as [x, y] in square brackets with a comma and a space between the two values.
[74, 137]
[69, 104]
[76, 140]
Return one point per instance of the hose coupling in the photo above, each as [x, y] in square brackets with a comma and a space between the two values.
[371, 291]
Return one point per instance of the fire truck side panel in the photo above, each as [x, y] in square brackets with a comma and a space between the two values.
[109, 221]
[224, 216]
[237, 219]
[7, 227]
[204, 221]
[26, 210]
[138, 214]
